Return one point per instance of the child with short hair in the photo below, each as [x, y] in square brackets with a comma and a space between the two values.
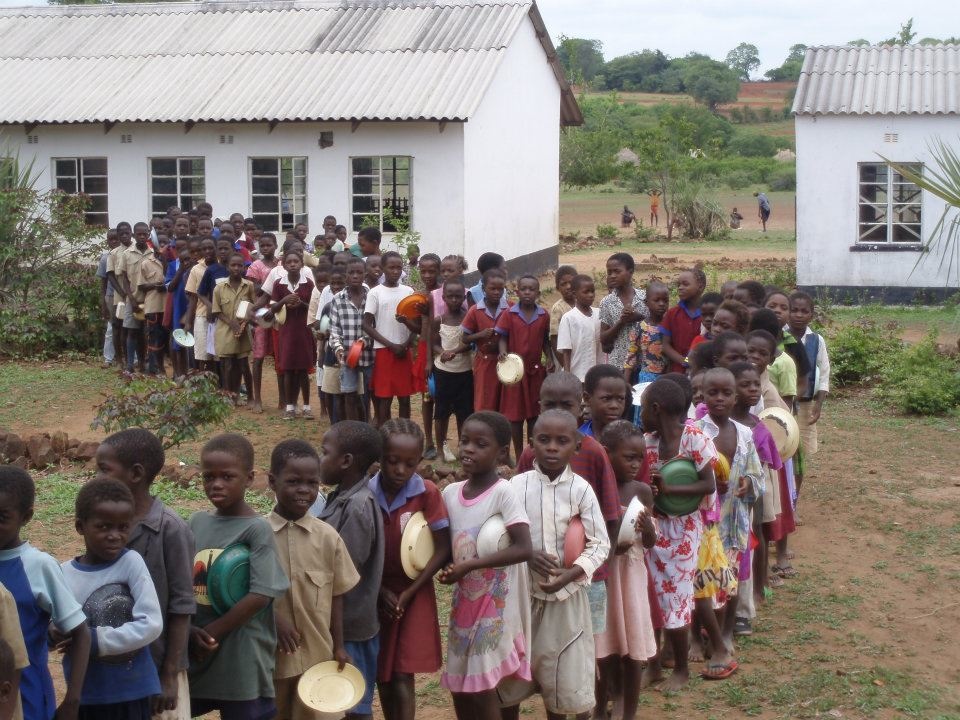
[409, 632]
[487, 642]
[605, 392]
[134, 457]
[151, 293]
[751, 293]
[728, 289]
[347, 451]
[309, 616]
[479, 329]
[264, 338]
[298, 350]
[681, 323]
[42, 596]
[621, 308]
[429, 268]
[781, 368]
[708, 306]
[368, 243]
[452, 365]
[628, 640]
[214, 274]
[231, 336]
[392, 336]
[487, 261]
[563, 282]
[346, 328]
[731, 316]
[645, 360]
[233, 654]
[524, 329]
[451, 267]
[810, 403]
[561, 613]
[121, 677]
[578, 337]
[761, 348]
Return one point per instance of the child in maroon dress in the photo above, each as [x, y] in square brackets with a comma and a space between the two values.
[681, 325]
[525, 330]
[298, 350]
[479, 327]
[409, 629]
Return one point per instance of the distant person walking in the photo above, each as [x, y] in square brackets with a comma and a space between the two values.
[764, 208]
[735, 219]
[627, 217]
[654, 208]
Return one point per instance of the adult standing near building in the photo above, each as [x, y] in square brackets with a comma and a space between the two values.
[763, 209]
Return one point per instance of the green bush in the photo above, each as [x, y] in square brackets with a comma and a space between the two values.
[784, 178]
[858, 350]
[607, 232]
[920, 379]
[752, 144]
[739, 179]
[174, 410]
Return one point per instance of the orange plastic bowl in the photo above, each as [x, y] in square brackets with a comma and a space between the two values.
[353, 355]
[412, 306]
[574, 541]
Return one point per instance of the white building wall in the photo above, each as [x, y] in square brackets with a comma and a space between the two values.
[512, 157]
[828, 151]
[437, 174]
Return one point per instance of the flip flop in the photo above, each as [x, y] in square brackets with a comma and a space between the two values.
[719, 672]
[785, 571]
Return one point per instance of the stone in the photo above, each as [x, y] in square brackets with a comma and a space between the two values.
[60, 442]
[40, 451]
[189, 473]
[13, 447]
[261, 481]
[170, 472]
[73, 443]
[86, 451]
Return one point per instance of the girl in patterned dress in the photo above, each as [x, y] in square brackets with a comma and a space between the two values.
[490, 612]
[673, 559]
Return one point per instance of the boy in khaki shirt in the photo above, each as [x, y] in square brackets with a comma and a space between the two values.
[152, 296]
[11, 634]
[231, 334]
[309, 616]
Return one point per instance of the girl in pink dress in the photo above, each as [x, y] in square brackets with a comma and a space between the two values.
[490, 613]
[628, 640]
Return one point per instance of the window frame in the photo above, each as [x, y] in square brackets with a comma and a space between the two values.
[299, 211]
[355, 217]
[80, 178]
[890, 206]
[179, 177]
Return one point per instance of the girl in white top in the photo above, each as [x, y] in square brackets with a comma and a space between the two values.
[452, 365]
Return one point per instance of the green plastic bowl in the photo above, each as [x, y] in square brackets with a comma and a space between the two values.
[678, 471]
[228, 578]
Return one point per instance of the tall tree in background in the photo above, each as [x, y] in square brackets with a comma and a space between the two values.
[790, 70]
[744, 59]
[581, 59]
[904, 37]
[710, 82]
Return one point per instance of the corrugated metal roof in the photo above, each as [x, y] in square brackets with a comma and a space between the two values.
[280, 60]
[880, 80]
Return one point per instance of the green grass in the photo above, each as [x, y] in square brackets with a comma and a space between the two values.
[921, 319]
[29, 390]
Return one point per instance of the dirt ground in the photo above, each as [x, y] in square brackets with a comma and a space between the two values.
[867, 629]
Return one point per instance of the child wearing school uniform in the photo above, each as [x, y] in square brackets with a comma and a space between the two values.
[682, 323]
[452, 364]
[134, 457]
[578, 334]
[817, 386]
[233, 655]
[309, 616]
[560, 638]
[479, 329]
[231, 334]
[264, 338]
[151, 292]
[121, 677]
[409, 631]
[196, 322]
[19, 660]
[42, 595]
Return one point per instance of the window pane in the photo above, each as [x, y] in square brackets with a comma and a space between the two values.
[364, 204]
[873, 233]
[366, 185]
[873, 172]
[160, 203]
[98, 203]
[191, 166]
[94, 184]
[873, 213]
[300, 166]
[167, 186]
[96, 219]
[266, 204]
[67, 184]
[190, 201]
[300, 187]
[66, 167]
[264, 166]
[267, 222]
[164, 166]
[94, 166]
[366, 166]
[906, 213]
[357, 223]
[906, 233]
[265, 185]
[192, 186]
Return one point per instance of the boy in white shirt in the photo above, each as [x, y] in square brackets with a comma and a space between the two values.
[578, 338]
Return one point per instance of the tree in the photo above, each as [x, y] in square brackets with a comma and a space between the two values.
[744, 59]
[637, 71]
[789, 71]
[904, 37]
[581, 59]
[588, 153]
[710, 82]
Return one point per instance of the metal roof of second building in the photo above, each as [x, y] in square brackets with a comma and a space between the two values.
[260, 61]
[880, 80]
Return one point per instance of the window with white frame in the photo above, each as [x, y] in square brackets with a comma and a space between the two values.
[86, 176]
[179, 181]
[380, 190]
[278, 192]
[889, 205]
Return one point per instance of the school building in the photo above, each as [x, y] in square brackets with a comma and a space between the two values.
[445, 112]
[864, 231]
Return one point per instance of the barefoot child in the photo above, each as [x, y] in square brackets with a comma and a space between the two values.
[479, 328]
[121, 677]
[135, 457]
[309, 616]
[298, 350]
[409, 631]
[42, 595]
[682, 322]
[233, 655]
[231, 336]
[429, 267]
[578, 339]
[673, 559]
[489, 616]
[628, 640]
[525, 330]
[264, 339]
[452, 365]
[645, 359]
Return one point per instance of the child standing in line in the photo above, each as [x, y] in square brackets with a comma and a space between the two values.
[563, 281]
[347, 451]
[264, 338]
[486, 261]
[429, 268]
[392, 336]
[620, 309]
[452, 364]
[231, 336]
[709, 303]
[645, 357]
[682, 322]
[309, 616]
[451, 267]
[298, 350]
[560, 637]
[176, 278]
[673, 559]
[578, 338]
[151, 292]
[134, 457]
[196, 318]
[628, 640]
[346, 328]
[525, 330]
[731, 316]
[489, 615]
[37, 584]
[121, 676]
[780, 378]
[809, 404]
[233, 655]
[213, 275]
[409, 632]
[761, 348]
[479, 328]
[605, 393]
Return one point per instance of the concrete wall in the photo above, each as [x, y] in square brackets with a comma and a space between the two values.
[828, 151]
[437, 175]
[512, 156]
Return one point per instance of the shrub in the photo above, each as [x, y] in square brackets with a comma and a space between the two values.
[739, 179]
[920, 379]
[643, 232]
[174, 410]
[752, 144]
[784, 178]
[607, 232]
[858, 350]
